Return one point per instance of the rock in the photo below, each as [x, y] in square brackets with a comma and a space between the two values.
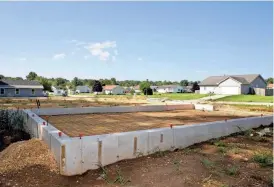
[101, 177]
[7, 140]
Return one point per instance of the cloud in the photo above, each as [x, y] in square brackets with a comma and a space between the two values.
[22, 59]
[101, 49]
[59, 56]
[77, 42]
[140, 59]
[86, 57]
[113, 58]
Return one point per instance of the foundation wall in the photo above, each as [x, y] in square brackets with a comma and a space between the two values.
[79, 154]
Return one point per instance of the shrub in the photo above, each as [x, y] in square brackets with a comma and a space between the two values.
[264, 159]
[11, 120]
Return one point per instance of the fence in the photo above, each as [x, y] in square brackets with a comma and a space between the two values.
[263, 91]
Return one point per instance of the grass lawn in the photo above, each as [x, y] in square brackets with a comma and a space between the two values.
[179, 96]
[248, 98]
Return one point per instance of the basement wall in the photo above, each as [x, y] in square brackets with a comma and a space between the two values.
[80, 154]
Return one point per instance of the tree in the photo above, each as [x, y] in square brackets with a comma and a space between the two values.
[76, 82]
[145, 88]
[269, 80]
[113, 81]
[184, 83]
[31, 76]
[195, 86]
[2, 76]
[97, 87]
[148, 91]
[46, 84]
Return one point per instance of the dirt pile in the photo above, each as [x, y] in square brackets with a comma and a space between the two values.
[26, 154]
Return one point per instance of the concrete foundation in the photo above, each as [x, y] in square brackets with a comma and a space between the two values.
[77, 155]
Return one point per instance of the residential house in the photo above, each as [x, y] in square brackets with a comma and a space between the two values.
[170, 89]
[270, 86]
[154, 88]
[58, 91]
[127, 89]
[232, 84]
[136, 89]
[113, 89]
[83, 89]
[20, 88]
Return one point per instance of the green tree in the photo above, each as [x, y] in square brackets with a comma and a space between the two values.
[97, 87]
[269, 80]
[76, 82]
[31, 76]
[145, 85]
[184, 83]
[2, 76]
[113, 81]
[195, 86]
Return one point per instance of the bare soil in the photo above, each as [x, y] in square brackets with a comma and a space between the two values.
[217, 163]
[94, 124]
[61, 102]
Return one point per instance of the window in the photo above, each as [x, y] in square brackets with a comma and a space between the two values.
[17, 91]
[33, 91]
[2, 91]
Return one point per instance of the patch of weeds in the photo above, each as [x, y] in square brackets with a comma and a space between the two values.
[207, 163]
[222, 150]
[120, 178]
[232, 171]
[159, 153]
[264, 159]
[259, 139]
[220, 144]
[104, 174]
[235, 150]
[177, 164]
[139, 154]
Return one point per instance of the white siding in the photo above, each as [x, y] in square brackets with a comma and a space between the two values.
[207, 89]
[230, 83]
[118, 90]
[258, 83]
[230, 87]
[177, 89]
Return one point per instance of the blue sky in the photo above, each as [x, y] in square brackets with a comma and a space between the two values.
[136, 40]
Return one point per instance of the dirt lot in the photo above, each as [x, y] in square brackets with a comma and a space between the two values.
[61, 102]
[94, 124]
[237, 161]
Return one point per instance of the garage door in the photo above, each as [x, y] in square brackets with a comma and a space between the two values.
[231, 90]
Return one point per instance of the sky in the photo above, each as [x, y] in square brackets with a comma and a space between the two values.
[136, 40]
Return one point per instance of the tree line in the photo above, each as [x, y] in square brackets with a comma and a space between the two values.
[63, 83]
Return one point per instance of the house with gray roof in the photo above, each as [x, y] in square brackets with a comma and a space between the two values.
[20, 88]
[170, 89]
[232, 84]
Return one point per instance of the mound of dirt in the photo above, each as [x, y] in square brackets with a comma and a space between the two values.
[26, 154]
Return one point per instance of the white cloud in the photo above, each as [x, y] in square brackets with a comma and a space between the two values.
[59, 56]
[101, 49]
[140, 59]
[113, 58]
[22, 59]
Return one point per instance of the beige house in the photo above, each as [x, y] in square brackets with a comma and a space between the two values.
[232, 84]
[113, 89]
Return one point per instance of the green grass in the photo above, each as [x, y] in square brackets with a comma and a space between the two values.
[232, 170]
[179, 96]
[248, 98]
[264, 158]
